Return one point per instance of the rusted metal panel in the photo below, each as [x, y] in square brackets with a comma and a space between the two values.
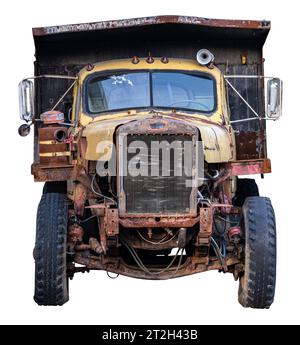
[158, 222]
[246, 145]
[50, 150]
[57, 147]
[48, 133]
[137, 22]
[249, 167]
[50, 160]
[60, 172]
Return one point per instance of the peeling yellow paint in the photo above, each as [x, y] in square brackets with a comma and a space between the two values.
[216, 139]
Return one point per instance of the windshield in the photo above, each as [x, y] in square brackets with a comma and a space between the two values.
[175, 90]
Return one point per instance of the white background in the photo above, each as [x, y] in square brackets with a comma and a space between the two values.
[200, 299]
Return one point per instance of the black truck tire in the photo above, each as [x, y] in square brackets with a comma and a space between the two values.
[245, 187]
[51, 282]
[55, 187]
[257, 283]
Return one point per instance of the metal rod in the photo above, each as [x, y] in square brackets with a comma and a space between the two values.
[240, 76]
[67, 124]
[244, 120]
[53, 76]
[62, 97]
[253, 118]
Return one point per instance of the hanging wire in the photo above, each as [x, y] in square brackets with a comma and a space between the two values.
[219, 254]
[99, 194]
[226, 220]
[87, 219]
[159, 242]
[141, 265]
[136, 258]
[111, 277]
[179, 262]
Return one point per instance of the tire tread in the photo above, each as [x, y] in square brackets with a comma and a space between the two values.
[50, 250]
[260, 254]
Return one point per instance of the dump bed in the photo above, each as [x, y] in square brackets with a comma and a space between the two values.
[236, 45]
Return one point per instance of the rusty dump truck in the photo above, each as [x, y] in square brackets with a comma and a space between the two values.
[144, 133]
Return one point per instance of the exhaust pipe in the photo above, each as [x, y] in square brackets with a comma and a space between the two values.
[60, 135]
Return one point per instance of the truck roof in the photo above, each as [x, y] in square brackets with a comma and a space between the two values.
[173, 36]
[238, 28]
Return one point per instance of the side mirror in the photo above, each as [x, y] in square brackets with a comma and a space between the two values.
[24, 130]
[274, 98]
[26, 100]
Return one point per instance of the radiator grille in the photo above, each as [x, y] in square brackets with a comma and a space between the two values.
[157, 194]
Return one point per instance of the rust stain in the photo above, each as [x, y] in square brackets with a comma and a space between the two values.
[206, 217]
[136, 22]
[115, 265]
[172, 222]
[111, 222]
[248, 167]
[75, 233]
[79, 198]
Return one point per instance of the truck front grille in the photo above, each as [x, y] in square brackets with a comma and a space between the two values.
[159, 195]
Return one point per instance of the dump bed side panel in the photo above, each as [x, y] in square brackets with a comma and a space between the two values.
[66, 49]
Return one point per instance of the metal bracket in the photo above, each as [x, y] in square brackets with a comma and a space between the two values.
[206, 217]
[111, 221]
